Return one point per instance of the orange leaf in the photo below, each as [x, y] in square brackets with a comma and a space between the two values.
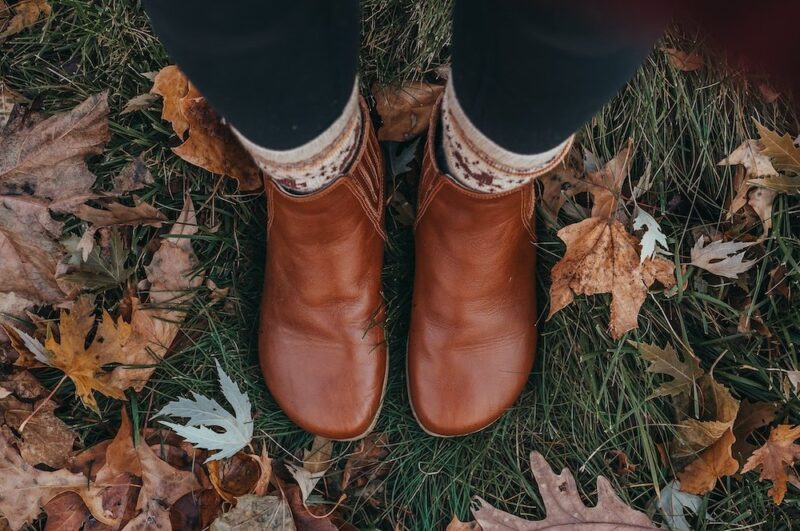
[716, 462]
[776, 459]
[211, 144]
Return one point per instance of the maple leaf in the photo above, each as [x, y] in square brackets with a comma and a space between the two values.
[606, 185]
[601, 257]
[563, 506]
[752, 157]
[665, 361]
[211, 144]
[84, 366]
[26, 13]
[684, 61]
[405, 109]
[716, 462]
[673, 502]
[24, 489]
[257, 513]
[203, 412]
[782, 151]
[776, 458]
[725, 259]
[718, 410]
[751, 416]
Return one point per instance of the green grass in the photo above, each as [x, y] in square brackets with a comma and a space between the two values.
[588, 393]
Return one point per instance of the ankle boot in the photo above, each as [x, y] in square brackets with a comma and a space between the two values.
[473, 320]
[321, 341]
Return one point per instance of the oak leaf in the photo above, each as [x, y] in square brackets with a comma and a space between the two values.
[564, 507]
[685, 374]
[776, 459]
[716, 462]
[782, 150]
[602, 257]
[24, 489]
[725, 259]
[211, 144]
[405, 109]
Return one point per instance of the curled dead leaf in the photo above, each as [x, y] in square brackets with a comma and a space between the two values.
[776, 458]
[684, 61]
[405, 109]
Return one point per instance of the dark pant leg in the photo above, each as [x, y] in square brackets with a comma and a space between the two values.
[280, 71]
[529, 73]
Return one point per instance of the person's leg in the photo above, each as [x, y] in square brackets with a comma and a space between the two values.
[526, 75]
[282, 72]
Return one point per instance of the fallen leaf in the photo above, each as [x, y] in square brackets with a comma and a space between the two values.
[134, 176]
[65, 512]
[315, 517]
[196, 510]
[45, 439]
[778, 282]
[24, 489]
[234, 476]
[619, 462]
[318, 458]
[751, 416]
[211, 144]
[562, 183]
[673, 503]
[173, 275]
[751, 155]
[701, 475]
[9, 98]
[780, 184]
[653, 237]
[26, 14]
[203, 413]
[685, 374]
[601, 257]
[119, 214]
[564, 507]
[782, 151]
[776, 458]
[256, 513]
[725, 259]
[718, 410]
[367, 462]
[768, 92]
[684, 61]
[139, 103]
[457, 525]
[405, 109]
[217, 294]
[606, 185]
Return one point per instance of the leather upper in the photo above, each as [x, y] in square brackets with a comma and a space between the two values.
[321, 341]
[473, 322]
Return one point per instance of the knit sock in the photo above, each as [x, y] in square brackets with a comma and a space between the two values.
[317, 163]
[477, 163]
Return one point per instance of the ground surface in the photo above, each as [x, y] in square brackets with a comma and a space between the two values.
[588, 394]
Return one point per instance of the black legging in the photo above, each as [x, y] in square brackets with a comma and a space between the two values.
[528, 73]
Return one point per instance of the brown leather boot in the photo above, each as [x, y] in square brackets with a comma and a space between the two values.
[322, 346]
[473, 319]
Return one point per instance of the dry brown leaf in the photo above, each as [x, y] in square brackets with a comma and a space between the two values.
[405, 110]
[751, 155]
[119, 214]
[26, 14]
[684, 61]
[162, 486]
[318, 458]
[211, 144]
[257, 513]
[45, 439]
[563, 182]
[768, 92]
[718, 410]
[619, 462]
[776, 459]
[367, 462]
[134, 176]
[457, 525]
[685, 374]
[24, 489]
[716, 462]
[602, 257]
[781, 150]
[605, 185]
[8, 97]
[235, 476]
[173, 276]
[564, 508]
[750, 417]
[778, 282]
[65, 512]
